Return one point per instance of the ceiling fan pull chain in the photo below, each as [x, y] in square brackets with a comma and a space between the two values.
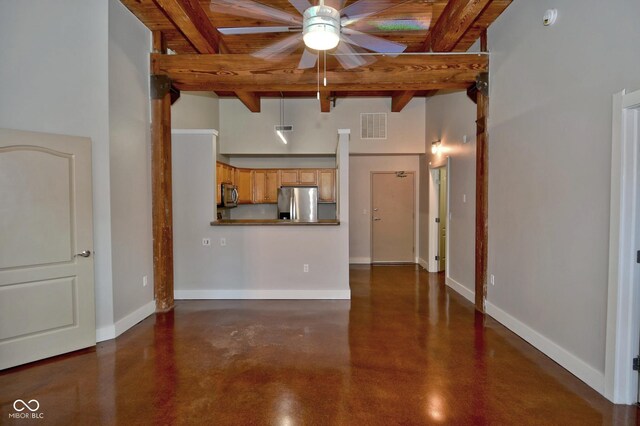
[325, 68]
[318, 94]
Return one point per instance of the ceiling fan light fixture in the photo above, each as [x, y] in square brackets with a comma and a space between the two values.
[321, 27]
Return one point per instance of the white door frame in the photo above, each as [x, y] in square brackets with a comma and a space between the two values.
[623, 301]
[434, 209]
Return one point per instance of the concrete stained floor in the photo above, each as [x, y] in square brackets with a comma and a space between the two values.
[404, 350]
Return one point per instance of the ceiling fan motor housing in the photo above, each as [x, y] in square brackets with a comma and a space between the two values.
[321, 27]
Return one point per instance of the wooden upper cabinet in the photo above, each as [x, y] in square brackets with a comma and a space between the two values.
[265, 186]
[288, 177]
[272, 186]
[308, 177]
[327, 185]
[292, 177]
[244, 181]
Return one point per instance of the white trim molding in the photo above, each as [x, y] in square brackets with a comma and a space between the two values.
[360, 260]
[461, 289]
[566, 359]
[423, 263]
[125, 323]
[262, 294]
[623, 300]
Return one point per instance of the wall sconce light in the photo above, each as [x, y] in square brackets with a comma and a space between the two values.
[435, 147]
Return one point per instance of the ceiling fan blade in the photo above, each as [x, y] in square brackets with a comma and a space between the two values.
[308, 60]
[373, 43]
[300, 5]
[279, 49]
[254, 10]
[258, 30]
[363, 8]
[348, 57]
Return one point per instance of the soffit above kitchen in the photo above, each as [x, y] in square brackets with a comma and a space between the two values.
[211, 56]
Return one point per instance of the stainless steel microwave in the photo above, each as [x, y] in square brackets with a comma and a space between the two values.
[229, 195]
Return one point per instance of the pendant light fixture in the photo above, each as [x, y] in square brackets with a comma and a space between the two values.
[280, 130]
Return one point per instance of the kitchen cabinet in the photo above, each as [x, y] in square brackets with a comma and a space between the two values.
[244, 180]
[224, 174]
[327, 185]
[265, 186]
[307, 176]
[292, 177]
[288, 177]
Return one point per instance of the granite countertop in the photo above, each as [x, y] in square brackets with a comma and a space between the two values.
[272, 222]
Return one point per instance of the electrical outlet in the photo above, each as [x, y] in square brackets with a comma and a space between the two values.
[493, 280]
[144, 281]
[223, 242]
[464, 198]
[305, 267]
[206, 241]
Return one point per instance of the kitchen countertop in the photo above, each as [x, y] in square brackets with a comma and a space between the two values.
[272, 222]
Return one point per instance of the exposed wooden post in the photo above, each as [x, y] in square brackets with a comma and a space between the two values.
[482, 186]
[161, 189]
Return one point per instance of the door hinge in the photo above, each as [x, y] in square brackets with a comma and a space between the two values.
[638, 256]
[437, 257]
[437, 220]
[636, 363]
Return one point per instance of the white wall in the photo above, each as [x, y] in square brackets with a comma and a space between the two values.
[196, 110]
[54, 73]
[449, 118]
[130, 161]
[549, 170]
[257, 261]
[361, 167]
[313, 131]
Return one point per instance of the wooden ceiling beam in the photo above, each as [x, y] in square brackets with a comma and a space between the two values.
[250, 100]
[400, 99]
[453, 23]
[242, 72]
[192, 21]
[325, 101]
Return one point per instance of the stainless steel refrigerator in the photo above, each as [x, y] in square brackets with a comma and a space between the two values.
[298, 203]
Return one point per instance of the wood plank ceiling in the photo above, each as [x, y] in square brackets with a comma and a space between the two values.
[206, 60]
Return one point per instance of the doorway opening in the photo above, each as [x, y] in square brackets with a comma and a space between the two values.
[439, 217]
[393, 217]
[622, 360]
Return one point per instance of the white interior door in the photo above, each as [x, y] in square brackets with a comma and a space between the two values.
[46, 288]
[392, 221]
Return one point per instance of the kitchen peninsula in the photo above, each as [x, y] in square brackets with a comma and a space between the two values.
[247, 257]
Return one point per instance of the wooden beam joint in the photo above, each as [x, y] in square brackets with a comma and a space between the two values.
[160, 85]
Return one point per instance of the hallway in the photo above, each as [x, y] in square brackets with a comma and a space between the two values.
[404, 350]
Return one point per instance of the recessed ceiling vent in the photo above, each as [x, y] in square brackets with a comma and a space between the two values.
[373, 125]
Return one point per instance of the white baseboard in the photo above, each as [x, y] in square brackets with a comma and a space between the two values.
[105, 333]
[122, 325]
[423, 263]
[360, 260]
[566, 359]
[135, 317]
[261, 294]
[460, 289]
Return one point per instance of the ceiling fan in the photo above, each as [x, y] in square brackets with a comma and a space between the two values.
[322, 27]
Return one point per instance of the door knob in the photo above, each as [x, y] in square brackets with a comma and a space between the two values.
[85, 253]
[376, 218]
[375, 210]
